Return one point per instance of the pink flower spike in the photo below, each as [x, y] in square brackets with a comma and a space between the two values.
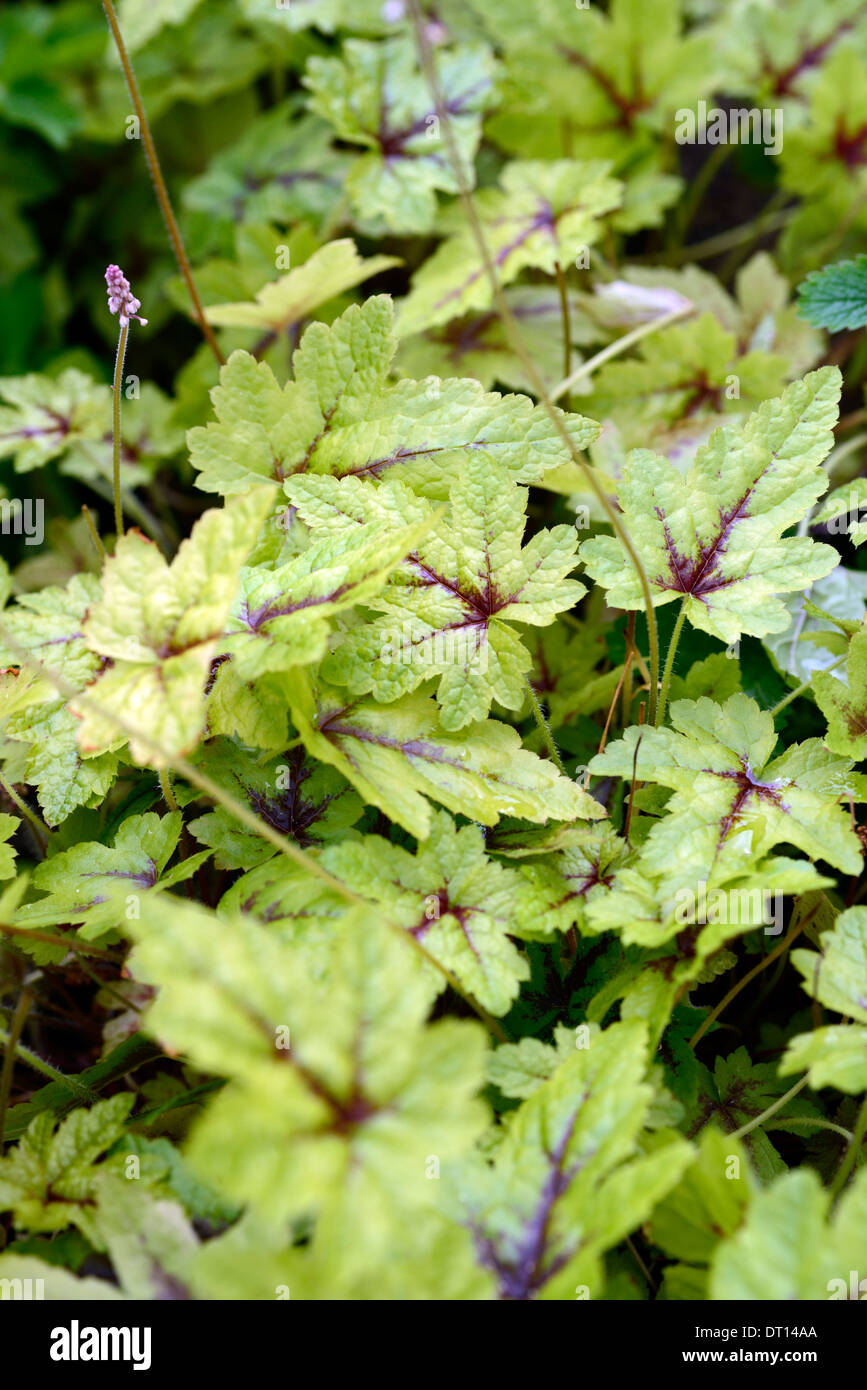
[121, 297]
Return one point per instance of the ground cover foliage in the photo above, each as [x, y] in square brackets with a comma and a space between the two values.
[433, 653]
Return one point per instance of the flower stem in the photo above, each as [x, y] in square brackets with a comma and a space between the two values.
[116, 390]
[564, 313]
[669, 664]
[159, 182]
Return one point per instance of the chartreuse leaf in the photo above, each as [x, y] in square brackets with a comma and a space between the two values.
[627, 70]
[447, 611]
[160, 625]
[844, 509]
[281, 616]
[281, 303]
[733, 801]
[8, 826]
[567, 1181]
[564, 881]
[461, 905]
[340, 415]
[305, 800]
[844, 703]
[519, 1069]
[543, 214]
[58, 1285]
[376, 95]
[713, 537]
[81, 883]
[787, 1248]
[836, 297]
[708, 1203]
[835, 1055]
[346, 1081]
[48, 624]
[49, 1180]
[682, 383]
[396, 755]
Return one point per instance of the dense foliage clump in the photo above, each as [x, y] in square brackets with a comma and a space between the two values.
[433, 700]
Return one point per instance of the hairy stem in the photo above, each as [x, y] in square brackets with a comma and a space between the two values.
[564, 314]
[516, 343]
[166, 789]
[669, 664]
[116, 439]
[619, 345]
[30, 1059]
[159, 182]
[19, 1018]
[841, 1177]
[771, 1110]
[763, 964]
[545, 729]
[38, 826]
[800, 689]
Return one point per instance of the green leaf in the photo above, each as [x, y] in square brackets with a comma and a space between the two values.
[447, 610]
[50, 1179]
[375, 95]
[396, 755]
[713, 538]
[543, 214]
[461, 905]
[306, 801]
[341, 416]
[281, 303]
[844, 703]
[345, 1080]
[733, 801]
[836, 297]
[838, 976]
[787, 1249]
[281, 616]
[160, 625]
[566, 1181]
[84, 884]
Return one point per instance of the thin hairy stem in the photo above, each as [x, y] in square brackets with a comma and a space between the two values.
[841, 1177]
[19, 1018]
[516, 342]
[619, 345]
[545, 729]
[166, 789]
[669, 664]
[159, 182]
[30, 1059]
[771, 1110]
[800, 689]
[763, 964]
[37, 825]
[116, 438]
[563, 291]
